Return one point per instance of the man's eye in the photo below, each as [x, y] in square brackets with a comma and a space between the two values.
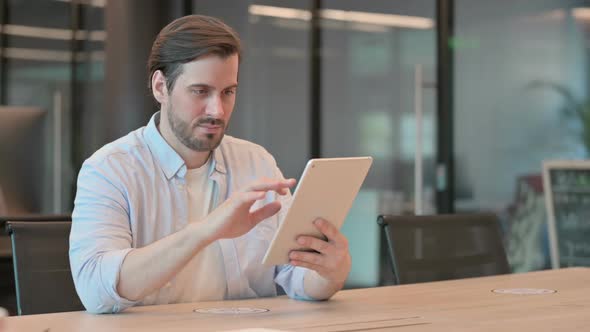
[230, 92]
[199, 91]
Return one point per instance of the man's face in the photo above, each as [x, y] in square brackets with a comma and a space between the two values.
[201, 102]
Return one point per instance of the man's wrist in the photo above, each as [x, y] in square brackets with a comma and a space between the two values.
[319, 287]
[202, 231]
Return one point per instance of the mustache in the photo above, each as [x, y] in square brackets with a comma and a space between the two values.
[210, 121]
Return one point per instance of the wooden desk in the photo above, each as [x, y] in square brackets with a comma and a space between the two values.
[460, 305]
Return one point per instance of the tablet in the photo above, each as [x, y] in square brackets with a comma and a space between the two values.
[326, 190]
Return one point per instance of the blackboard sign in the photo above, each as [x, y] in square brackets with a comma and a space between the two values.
[567, 196]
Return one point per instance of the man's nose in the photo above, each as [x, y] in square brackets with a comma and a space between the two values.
[215, 107]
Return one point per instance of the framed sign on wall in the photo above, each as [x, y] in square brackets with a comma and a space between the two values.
[567, 197]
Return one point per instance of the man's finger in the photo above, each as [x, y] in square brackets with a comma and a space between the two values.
[307, 257]
[264, 212]
[314, 243]
[250, 197]
[330, 231]
[279, 186]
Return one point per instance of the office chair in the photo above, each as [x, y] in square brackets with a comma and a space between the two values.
[7, 283]
[44, 282]
[443, 247]
[33, 218]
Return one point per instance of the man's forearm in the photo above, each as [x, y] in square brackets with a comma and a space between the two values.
[319, 288]
[147, 269]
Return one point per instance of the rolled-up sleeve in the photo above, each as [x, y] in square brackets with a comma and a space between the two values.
[100, 238]
[291, 279]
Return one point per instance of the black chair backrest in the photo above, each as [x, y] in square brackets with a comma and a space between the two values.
[44, 282]
[33, 218]
[443, 247]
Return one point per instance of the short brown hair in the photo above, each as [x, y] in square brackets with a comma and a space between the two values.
[186, 39]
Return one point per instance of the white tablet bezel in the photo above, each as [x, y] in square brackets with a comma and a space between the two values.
[326, 190]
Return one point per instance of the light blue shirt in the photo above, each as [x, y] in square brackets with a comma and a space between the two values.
[132, 192]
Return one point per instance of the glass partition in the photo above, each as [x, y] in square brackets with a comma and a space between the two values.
[517, 63]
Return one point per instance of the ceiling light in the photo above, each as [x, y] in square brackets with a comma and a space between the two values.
[390, 20]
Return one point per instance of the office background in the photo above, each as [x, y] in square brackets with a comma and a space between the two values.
[323, 78]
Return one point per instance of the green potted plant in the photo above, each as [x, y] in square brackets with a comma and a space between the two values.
[572, 108]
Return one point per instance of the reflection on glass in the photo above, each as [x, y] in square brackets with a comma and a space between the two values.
[40, 60]
[370, 53]
[509, 117]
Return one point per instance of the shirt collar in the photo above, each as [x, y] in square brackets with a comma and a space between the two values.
[219, 160]
[167, 157]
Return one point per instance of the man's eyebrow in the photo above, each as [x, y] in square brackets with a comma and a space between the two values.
[204, 85]
[200, 85]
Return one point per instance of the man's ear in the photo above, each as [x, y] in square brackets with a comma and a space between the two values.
[159, 89]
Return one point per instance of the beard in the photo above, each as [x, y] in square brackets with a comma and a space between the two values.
[184, 132]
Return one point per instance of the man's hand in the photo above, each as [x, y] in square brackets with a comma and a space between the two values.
[332, 260]
[233, 218]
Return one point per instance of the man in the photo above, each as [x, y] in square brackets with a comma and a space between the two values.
[178, 212]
